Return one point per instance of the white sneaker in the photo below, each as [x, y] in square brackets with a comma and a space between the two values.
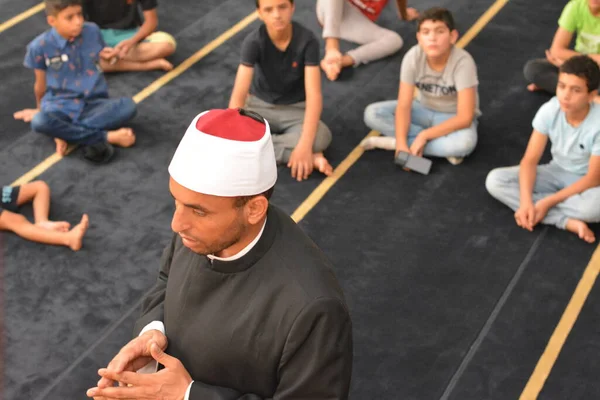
[379, 142]
[455, 160]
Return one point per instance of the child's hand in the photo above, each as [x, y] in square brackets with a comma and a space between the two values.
[411, 14]
[26, 115]
[108, 53]
[124, 47]
[557, 62]
[418, 145]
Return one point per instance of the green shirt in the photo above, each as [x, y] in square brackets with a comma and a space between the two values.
[577, 18]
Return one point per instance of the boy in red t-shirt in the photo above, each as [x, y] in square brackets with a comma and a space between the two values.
[354, 21]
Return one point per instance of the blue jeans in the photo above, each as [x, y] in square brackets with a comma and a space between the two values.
[382, 118]
[98, 117]
[503, 184]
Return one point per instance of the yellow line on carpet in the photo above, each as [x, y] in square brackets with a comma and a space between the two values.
[327, 183]
[561, 333]
[151, 89]
[21, 17]
[316, 196]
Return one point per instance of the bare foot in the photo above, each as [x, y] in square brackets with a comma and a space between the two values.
[75, 235]
[532, 87]
[320, 163]
[26, 115]
[164, 64]
[581, 229]
[58, 226]
[61, 147]
[123, 137]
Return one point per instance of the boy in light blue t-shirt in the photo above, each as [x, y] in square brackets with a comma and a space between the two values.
[566, 191]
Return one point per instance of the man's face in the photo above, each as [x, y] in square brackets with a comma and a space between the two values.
[276, 14]
[572, 93]
[69, 22]
[435, 38]
[207, 224]
[594, 4]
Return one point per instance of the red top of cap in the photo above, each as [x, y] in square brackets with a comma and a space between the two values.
[232, 125]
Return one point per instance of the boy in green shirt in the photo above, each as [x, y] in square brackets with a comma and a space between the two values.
[580, 17]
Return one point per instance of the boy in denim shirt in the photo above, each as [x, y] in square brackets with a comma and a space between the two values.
[71, 93]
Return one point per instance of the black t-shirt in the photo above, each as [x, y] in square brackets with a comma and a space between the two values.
[279, 75]
[116, 14]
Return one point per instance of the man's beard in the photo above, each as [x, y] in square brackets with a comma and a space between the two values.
[238, 231]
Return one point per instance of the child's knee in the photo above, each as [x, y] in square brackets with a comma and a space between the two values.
[493, 181]
[590, 211]
[394, 41]
[41, 187]
[39, 122]
[529, 70]
[324, 138]
[129, 107]
[370, 114]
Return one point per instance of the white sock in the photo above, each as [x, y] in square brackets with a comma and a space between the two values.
[379, 142]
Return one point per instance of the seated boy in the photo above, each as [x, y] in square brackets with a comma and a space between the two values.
[581, 17]
[70, 89]
[138, 47]
[280, 67]
[442, 120]
[44, 230]
[566, 191]
[354, 21]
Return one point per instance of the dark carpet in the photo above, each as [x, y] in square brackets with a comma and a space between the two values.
[423, 261]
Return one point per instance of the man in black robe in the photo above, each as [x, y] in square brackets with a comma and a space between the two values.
[250, 305]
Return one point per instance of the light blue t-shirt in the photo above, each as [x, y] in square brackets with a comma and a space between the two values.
[572, 147]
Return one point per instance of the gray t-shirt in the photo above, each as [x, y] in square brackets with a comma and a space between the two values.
[438, 91]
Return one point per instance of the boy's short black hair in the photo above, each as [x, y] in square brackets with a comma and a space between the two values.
[583, 67]
[53, 7]
[258, 3]
[437, 14]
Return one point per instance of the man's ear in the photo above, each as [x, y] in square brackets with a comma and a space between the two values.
[256, 209]
[51, 20]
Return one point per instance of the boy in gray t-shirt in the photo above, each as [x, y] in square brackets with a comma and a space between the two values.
[442, 120]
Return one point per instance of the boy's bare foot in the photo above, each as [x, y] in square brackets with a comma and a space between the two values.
[321, 164]
[532, 87]
[163, 64]
[61, 147]
[58, 226]
[75, 235]
[26, 115]
[123, 137]
[581, 229]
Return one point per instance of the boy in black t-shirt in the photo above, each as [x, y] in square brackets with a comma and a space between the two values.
[279, 78]
[123, 28]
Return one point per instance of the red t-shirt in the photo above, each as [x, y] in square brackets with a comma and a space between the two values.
[370, 8]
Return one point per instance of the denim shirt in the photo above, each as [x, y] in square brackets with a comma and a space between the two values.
[73, 74]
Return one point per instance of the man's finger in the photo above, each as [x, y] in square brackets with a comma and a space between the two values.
[123, 393]
[127, 378]
[163, 358]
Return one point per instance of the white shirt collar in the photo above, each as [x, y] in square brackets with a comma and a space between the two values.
[244, 251]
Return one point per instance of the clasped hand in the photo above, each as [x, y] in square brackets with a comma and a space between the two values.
[169, 383]
[529, 215]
